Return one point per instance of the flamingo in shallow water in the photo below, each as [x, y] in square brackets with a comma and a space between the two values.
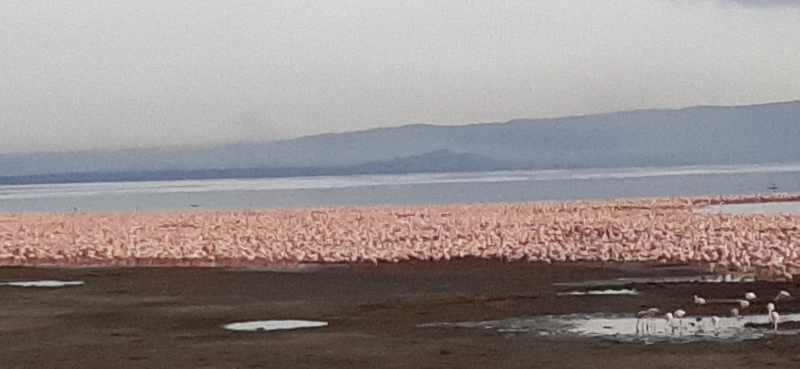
[670, 321]
[678, 315]
[646, 315]
[773, 315]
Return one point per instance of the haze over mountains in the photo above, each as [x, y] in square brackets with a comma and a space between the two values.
[705, 135]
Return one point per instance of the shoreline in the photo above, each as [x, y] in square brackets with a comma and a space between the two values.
[660, 230]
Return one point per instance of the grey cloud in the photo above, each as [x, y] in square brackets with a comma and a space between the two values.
[115, 73]
[765, 3]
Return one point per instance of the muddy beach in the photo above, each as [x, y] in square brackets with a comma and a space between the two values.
[415, 287]
[174, 317]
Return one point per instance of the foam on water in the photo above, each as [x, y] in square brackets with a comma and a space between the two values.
[46, 284]
[273, 325]
[628, 328]
[40, 191]
[403, 189]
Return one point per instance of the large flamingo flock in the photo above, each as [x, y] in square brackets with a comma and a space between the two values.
[661, 229]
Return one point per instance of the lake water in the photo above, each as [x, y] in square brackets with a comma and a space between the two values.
[627, 328]
[435, 188]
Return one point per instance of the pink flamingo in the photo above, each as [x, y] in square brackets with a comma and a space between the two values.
[699, 300]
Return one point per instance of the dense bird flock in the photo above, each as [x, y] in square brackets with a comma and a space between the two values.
[664, 229]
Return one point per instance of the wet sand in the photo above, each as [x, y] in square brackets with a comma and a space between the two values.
[134, 317]
[173, 317]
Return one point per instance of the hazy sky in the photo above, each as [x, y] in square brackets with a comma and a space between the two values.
[105, 73]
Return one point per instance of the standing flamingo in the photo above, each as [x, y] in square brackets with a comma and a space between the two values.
[640, 316]
[735, 315]
[679, 314]
[714, 322]
[670, 321]
[644, 319]
[773, 315]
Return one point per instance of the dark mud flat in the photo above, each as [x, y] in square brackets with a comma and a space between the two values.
[173, 317]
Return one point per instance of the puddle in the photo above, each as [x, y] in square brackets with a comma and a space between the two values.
[599, 292]
[723, 278]
[273, 325]
[46, 284]
[789, 207]
[628, 328]
[285, 268]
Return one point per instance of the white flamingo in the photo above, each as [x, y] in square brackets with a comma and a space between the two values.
[678, 315]
[640, 328]
[644, 319]
[714, 322]
[737, 317]
[670, 321]
[773, 315]
[782, 295]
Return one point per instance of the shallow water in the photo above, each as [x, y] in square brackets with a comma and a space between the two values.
[791, 207]
[273, 325]
[627, 328]
[409, 189]
[42, 284]
[710, 278]
[599, 292]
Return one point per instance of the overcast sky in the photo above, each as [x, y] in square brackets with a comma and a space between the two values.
[86, 74]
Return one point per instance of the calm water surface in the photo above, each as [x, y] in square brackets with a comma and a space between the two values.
[439, 188]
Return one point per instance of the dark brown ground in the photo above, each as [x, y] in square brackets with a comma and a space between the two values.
[173, 317]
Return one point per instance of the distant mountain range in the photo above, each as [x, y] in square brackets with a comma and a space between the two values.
[705, 135]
